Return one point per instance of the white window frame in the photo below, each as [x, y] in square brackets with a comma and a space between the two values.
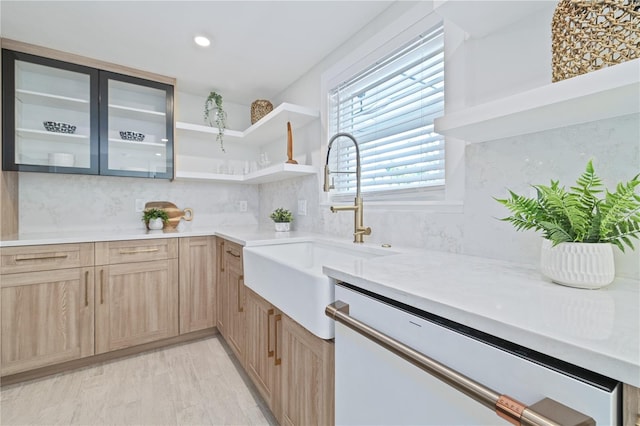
[400, 32]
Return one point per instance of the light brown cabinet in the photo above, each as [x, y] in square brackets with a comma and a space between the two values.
[45, 257]
[307, 377]
[136, 292]
[233, 304]
[221, 294]
[197, 283]
[291, 368]
[47, 314]
[264, 349]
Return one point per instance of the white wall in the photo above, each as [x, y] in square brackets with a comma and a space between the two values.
[515, 59]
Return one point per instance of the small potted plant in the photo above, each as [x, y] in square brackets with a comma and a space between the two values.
[215, 116]
[155, 218]
[579, 227]
[282, 218]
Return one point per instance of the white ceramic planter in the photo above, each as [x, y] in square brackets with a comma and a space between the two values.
[155, 224]
[283, 226]
[582, 265]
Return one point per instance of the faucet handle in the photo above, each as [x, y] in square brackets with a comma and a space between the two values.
[363, 231]
[326, 186]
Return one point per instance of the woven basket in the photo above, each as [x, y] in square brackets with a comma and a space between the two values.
[589, 35]
[259, 109]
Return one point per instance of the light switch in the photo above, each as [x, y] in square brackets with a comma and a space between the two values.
[302, 207]
[139, 204]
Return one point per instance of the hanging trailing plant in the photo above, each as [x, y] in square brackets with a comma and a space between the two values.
[215, 116]
[579, 214]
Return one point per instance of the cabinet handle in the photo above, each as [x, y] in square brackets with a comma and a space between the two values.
[86, 288]
[240, 308]
[232, 253]
[277, 360]
[220, 259]
[55, 256]
[269, 351]
[101, 286]
[149, 250]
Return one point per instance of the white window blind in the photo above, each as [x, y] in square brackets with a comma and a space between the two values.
[389, 108]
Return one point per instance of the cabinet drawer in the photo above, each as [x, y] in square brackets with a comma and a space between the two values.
[113, 252]
[44, 258]
[232, 253]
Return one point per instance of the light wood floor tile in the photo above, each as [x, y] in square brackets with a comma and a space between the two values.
[197, 383]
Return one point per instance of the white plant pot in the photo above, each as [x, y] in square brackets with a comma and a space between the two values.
[283, 226]
[155, 224]
[581, 265]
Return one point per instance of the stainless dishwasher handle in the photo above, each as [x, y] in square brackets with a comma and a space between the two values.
[546, 412]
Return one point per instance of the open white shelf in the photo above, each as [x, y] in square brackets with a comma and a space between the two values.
[269, 174]
[606, 93]
[198, 128]
[271, 127]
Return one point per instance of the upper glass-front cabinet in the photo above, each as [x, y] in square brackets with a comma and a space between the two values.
[50, 121]
[137, 127]
[60, 117]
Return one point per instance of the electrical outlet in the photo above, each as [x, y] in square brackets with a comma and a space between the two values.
[139, 204]
[302, 207]
[242, 206]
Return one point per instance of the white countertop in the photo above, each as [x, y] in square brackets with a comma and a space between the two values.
[242, 235]
[595, 329]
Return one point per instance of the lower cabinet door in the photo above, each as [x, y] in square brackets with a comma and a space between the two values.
[307, 377]
[263, 361]
[235, 326]
[197, 284]
[222, 309]
[47, 318]
[136, 303]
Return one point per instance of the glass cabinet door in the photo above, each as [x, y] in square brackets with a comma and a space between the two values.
[50, 115]
[136, 119]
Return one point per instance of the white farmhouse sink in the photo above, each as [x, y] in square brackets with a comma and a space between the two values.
[290, 277]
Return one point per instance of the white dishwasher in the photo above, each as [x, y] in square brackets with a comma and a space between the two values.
[376, 385]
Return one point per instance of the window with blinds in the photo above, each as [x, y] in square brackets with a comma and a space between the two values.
[389, 108]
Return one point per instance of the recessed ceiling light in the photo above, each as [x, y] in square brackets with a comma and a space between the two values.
[202, 41]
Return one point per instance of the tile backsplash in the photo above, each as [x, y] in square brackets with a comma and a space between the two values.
[491, 168]
[57, 202]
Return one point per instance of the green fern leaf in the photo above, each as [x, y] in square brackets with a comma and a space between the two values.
[580, 214]
[619, 208]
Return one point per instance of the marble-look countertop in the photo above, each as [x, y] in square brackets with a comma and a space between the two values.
[248, 235]
[596, 329]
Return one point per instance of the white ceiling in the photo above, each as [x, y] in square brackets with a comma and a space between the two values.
[258, 47]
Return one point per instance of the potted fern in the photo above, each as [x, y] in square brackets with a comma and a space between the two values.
[580, 226]
[282, 218]
[216, 116]
[155, 218]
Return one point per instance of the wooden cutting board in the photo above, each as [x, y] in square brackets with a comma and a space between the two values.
[175, 214]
